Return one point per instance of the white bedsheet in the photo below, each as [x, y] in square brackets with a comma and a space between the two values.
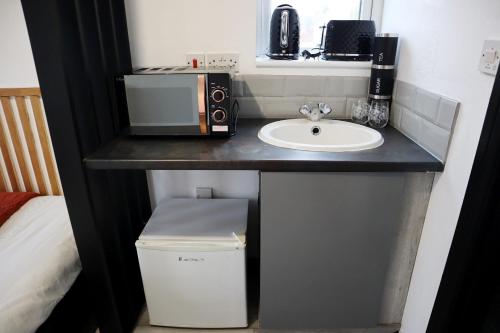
[38, 263]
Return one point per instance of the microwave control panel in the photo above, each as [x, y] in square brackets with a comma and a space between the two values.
[220, 118]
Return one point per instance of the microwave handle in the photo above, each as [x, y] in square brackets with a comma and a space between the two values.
[202, 106]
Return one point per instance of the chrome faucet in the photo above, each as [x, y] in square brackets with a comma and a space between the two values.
[316, 112]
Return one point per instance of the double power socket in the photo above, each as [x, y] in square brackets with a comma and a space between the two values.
[214, 60]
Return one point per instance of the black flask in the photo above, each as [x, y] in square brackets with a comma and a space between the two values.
[383, 66]
[385, 47]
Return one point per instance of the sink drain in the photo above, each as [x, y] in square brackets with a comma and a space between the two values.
[315, 130]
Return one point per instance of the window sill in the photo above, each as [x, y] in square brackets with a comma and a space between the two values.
[265, 62]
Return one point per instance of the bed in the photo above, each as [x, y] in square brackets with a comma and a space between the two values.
[40, 263]
[42, 289]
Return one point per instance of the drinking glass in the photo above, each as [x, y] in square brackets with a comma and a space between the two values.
[378, 116]
[359, 112]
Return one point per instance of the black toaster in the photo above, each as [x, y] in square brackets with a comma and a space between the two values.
[350, 40]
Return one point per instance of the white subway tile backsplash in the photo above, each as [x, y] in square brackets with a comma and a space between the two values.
[280, 96]
[446, 113]
[406, 94]
[334, 87]
[305, 86]
[396, 112]
[395, 89]
[282, 107]
[355, 86]
[434, 139]
[251, 107]
[264, 85]
[411, 124]
[425, 117]
[426, 104]
[238, 88]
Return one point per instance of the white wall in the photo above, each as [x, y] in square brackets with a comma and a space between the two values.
[182, 184]
[17, 67]
[161, 32]
[440, 49]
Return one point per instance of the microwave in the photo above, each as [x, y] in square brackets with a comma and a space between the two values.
[179, 101]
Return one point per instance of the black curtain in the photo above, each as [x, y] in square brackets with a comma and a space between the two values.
[79, 47]
[468, 299]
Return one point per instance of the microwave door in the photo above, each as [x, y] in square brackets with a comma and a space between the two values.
[173, 104]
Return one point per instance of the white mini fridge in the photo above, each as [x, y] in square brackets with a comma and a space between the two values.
[192, 259]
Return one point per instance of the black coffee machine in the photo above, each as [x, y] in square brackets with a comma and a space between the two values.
[284, 34]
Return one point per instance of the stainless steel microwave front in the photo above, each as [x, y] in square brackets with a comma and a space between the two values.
[173, 104]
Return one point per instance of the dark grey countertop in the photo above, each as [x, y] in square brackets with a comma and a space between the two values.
[245, 151]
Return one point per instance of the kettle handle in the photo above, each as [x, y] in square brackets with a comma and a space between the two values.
[284, 28]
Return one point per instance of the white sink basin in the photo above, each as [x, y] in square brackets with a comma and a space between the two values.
[323, 135]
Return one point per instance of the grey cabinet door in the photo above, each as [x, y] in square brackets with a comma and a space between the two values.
[326, 242]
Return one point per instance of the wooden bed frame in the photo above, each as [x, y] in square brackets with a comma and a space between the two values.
[27, 161]
[27, 164]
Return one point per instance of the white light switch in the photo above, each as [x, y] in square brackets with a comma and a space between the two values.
[490, 57]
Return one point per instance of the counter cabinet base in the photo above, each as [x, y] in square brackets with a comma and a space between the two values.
[337, 249]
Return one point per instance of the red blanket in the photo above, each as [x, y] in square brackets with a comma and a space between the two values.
[10, 202]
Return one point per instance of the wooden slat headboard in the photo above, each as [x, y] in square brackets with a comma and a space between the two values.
[26, 156]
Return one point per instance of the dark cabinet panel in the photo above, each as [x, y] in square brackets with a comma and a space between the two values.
[326, 241]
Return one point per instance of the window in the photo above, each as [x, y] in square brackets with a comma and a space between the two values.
[313, 14]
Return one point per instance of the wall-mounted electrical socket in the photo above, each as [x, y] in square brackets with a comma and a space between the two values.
[195, 58]
[490, 57]
[223, 60]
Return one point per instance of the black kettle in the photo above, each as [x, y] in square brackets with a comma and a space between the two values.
[284, 34]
